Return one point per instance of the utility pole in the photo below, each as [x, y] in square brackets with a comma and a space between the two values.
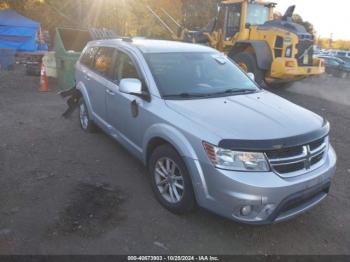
[330, 44]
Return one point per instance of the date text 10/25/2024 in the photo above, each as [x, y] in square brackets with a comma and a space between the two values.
[173, 258]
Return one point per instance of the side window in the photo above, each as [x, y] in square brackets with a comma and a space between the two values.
[124, 68]
[88, 56]
[103, 61]
[233, 20]
[332, 62]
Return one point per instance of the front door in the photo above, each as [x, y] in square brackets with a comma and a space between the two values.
[124, 111]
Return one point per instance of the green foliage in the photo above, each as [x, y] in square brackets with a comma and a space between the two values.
[308, 26]
[130, 17]
[197, 13]
[328, 43]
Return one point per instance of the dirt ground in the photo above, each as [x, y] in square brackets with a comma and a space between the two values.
[66, 192]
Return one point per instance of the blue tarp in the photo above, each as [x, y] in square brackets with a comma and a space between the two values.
[17, 32]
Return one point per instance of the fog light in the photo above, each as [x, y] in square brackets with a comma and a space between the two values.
[245, 211]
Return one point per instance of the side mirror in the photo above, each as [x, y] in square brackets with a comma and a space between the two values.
[132, 86]
[251, 76]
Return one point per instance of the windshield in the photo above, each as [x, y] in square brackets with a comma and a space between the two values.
[191, 75]
[257, 14]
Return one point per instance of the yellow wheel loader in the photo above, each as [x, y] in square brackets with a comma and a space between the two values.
[277, 51]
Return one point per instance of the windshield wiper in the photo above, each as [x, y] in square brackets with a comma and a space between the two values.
[186, 95]
[227, 91]
[235, 91]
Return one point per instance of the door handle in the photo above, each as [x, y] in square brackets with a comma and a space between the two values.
[110, 92]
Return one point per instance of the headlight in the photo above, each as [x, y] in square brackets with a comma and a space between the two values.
[236, 160]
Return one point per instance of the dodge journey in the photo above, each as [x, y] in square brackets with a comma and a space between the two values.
[206, 132]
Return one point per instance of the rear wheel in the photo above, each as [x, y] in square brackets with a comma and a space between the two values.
[247, 62]
[85, 122]
[170, 180]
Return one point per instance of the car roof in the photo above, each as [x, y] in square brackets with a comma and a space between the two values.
[330, 57]
[155, 46]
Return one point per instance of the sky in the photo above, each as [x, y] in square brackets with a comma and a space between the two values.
[328, 17]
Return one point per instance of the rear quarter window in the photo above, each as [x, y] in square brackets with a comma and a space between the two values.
[88, 56]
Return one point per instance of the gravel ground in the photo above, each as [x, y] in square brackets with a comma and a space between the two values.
[66, 192]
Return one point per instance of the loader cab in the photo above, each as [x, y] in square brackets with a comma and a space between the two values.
[258, 13]
[229, 19]
[235, 16]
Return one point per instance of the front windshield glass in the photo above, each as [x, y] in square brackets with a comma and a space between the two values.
[257, 14]
[191, 75]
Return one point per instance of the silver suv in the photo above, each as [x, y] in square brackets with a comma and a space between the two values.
[206, 132]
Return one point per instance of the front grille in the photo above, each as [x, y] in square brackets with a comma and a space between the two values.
[289, 168]
[305, 50]
[285, 152]
[315, 144]
[317, 159]
[295, 160]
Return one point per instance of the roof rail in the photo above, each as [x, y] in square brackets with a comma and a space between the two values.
[102, 33]
[127, 39]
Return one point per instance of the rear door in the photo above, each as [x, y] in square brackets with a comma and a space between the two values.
[86, 66]
[98, 78]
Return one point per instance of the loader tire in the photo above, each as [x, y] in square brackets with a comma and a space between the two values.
[247, 62]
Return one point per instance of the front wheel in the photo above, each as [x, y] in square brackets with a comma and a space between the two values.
[170, 180]
[247, 62]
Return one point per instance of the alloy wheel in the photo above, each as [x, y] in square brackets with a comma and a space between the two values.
[169, 180]
[83, 115]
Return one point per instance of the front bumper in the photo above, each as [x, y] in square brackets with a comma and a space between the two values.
[282, 73]
[271, 198]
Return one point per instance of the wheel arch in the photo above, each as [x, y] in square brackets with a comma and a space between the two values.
[161, 134]
[164, 134]
[83, 91]
[261, 49]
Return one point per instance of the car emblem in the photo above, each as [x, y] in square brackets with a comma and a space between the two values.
[307, 153]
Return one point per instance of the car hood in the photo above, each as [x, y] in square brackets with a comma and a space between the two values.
[258, 116]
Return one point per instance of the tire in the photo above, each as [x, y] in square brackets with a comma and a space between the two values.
[250, 65]
[162, 162]
[85, 122]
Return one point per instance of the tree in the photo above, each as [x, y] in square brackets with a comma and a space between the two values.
[307, 25]
[197, 13]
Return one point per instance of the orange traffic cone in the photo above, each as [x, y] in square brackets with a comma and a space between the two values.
[44, 81]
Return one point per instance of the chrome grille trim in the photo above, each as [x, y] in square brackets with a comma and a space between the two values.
[304, 160]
